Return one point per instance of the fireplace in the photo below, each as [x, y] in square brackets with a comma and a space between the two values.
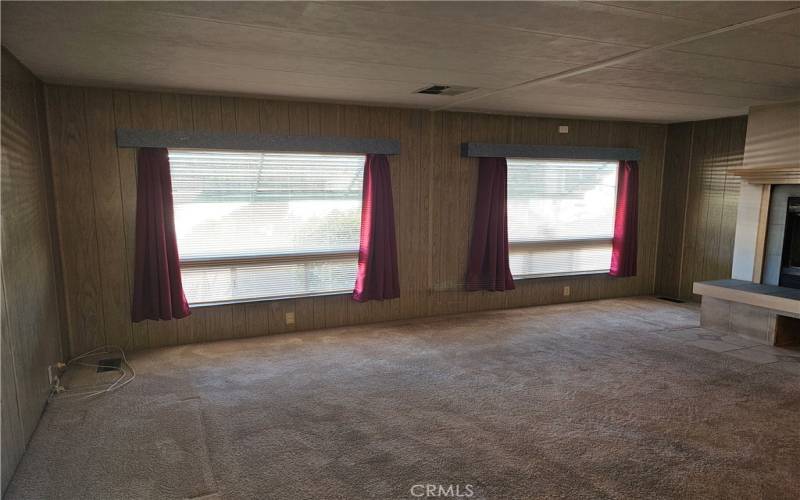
[790, 257]
[782, 244]
[762, 298]
[767, 311]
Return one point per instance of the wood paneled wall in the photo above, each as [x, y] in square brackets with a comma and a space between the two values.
[699, 203]
[434, 192]
[31, 333]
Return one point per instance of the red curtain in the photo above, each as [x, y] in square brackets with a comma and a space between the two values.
[377, 254]
[157, 288]
[488, 267]
[626, 220]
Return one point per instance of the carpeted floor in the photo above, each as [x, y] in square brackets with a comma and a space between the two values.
[608, 399]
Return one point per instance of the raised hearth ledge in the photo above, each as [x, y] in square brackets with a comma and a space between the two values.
[780, 299]
[765, 313]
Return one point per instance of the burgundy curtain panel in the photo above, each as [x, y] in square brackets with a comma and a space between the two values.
[377, 254]
[157, 288]
[626, 221]
[488, 267]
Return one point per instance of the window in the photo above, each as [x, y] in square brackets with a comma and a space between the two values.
[560, 216]
[254, 225]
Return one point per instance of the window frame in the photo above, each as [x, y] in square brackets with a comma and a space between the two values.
[567, 243]
[268, 258]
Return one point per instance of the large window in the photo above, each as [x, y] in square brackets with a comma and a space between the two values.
[254, 225]
[560, 216]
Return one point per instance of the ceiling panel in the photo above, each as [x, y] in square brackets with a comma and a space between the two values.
[717, 13]
[146, 37]
[671, 64]
[551, 103]
[699, 86]
[750, 45]
[789, 25]
[340, 21]
[381, 52]
[582, 20]
[639, 95]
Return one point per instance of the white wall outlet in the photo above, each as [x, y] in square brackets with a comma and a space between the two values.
[563, 129]
[289, 318]
[52, 375]
[566, 291]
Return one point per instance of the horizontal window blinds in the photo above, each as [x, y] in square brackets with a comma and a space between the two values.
[560, 216]
[274, 280]
[254, 225]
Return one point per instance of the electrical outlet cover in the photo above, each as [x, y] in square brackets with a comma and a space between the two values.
[289, 318]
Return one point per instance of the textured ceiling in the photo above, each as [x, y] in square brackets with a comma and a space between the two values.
[652, 61]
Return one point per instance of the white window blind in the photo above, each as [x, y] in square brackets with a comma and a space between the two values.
[560, 216]
[254, 225]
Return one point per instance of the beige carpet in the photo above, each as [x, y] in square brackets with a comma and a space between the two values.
[592, 400]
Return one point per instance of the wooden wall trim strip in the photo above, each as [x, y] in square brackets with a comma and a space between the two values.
[244, 141]
[477, 149]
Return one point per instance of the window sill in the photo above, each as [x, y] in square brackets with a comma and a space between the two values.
[332, 293]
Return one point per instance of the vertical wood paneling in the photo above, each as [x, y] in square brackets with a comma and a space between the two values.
[74, 191]
[31, 312]
[699, 201]
[126, 164]
[410, 184]
[434, 190]
[715, 198]
[673, 208]
[703, 173]
[109, 217]
[14, 436]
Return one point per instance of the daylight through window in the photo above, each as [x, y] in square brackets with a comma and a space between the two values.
[560, 216]
[254, 225]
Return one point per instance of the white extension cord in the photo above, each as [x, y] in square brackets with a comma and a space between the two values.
[126, 374]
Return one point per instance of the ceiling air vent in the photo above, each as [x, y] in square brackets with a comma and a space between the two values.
[444, 90]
